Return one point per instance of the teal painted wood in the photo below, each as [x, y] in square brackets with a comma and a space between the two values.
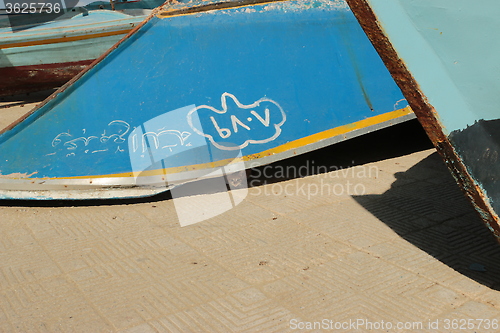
[200, 88]
[450, 48]
[96, 22]
[25, 20]
[48, 55]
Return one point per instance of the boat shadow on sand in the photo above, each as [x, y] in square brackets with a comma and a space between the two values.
[426, 208]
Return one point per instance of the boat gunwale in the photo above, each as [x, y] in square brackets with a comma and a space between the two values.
[53, 35]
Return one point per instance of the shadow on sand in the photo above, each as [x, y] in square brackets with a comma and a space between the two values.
[426, 207]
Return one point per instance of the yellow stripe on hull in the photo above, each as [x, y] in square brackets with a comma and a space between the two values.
[296, 144]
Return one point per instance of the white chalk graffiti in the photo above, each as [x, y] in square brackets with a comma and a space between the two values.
[165, 138]
[114, 134]
[272, 116]
[161, 140]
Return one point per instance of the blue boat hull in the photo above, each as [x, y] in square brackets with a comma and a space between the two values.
[189, 91]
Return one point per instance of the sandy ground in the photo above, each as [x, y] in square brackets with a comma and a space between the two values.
[13, 108]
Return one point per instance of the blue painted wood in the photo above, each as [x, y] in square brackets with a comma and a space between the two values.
[283, 71]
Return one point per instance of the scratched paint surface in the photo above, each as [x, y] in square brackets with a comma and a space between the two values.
[257, 78]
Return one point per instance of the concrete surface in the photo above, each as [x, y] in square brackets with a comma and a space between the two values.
[391, 245]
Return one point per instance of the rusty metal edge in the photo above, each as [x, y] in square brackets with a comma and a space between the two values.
[425, 112]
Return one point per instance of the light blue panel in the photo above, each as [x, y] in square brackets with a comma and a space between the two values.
[450, 49]
[57, 53]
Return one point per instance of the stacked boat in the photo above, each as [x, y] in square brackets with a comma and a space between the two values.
[37, 54]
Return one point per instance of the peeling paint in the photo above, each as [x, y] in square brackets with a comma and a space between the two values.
[18, 175]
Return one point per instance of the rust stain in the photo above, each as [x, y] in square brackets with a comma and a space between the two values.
[425, 112]
[345, 35]
[38, 77]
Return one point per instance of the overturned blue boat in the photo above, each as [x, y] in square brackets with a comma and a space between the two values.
[197, 87]
[443, 56]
